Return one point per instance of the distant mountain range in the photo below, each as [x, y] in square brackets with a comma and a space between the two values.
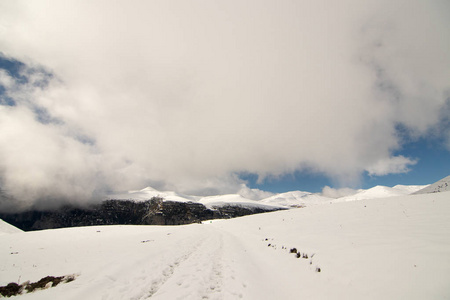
[389, 248]
[152, 207]
[284, 200]
[380, 191]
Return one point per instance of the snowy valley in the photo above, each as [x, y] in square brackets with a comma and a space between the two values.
[380, 248]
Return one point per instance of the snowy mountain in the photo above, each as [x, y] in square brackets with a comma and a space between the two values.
[235, 199]
[297, 199]
[386, 248]
[152, 207]
[284, 200]
[442, 185]
[381, 192]
[149, 192]
[210, 201]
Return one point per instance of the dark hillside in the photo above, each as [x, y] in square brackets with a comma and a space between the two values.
[124, 212]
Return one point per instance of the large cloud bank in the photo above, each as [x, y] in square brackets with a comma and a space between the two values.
[184, 95]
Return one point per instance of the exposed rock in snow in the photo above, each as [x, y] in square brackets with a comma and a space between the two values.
[442, 185]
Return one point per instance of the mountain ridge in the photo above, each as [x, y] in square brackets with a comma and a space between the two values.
[442, 185]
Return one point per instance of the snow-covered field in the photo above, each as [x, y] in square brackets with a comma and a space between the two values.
[386, 248]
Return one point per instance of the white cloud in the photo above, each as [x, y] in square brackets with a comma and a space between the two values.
[337, 193]
[186, 94]
[392, 165]
[254, 194]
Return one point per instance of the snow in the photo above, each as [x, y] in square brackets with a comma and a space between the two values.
[297, 199]
[149, 192]
[381, 192]
[284, 200]
[386, 248]
[236, 200]
[442, 185]
[209, 202]
[409, 189]
[6, 228]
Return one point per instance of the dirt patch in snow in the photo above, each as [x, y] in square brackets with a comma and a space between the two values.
[14, 289]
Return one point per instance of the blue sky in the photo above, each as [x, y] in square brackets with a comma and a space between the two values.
[199, 97]
[433, 164]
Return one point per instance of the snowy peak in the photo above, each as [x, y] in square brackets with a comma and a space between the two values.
[149, 192]
[380, 191]
[209, 202]
[297, 199]
[285, 200]
[237, 200]
[442, 185]
[372, 193]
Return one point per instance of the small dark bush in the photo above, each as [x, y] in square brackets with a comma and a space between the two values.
[43, 282]
[293, 250]
[11, 289]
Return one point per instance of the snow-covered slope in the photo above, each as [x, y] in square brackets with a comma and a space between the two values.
[149, 192]
[235, 199]
[210, 201]
[409, 189]
[442, 185]
[396, 248]
[381, 192]
[6, 228]
[297, 199]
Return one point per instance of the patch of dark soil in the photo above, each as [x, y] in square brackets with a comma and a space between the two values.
[14, 289]
[41, 284]
[11, 289]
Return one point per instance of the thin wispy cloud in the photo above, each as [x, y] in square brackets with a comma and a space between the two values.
[185, 95]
